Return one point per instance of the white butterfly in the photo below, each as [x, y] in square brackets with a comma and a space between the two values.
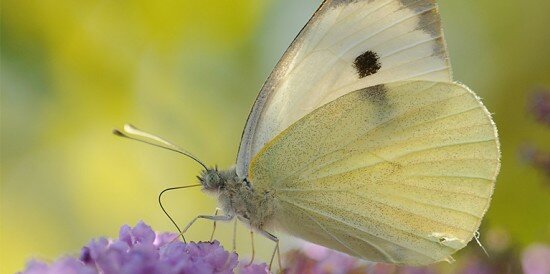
[360, 141]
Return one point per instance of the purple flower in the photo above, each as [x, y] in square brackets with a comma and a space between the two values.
[61, 266]
[473, 265]
[316, 259]
[540, 106]
[330, 260]
[139, 250]
[537, 158]
[417, 270]
[255, 269]
[536, 259]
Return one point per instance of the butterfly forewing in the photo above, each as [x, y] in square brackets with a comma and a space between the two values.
[399, 173]
[346, 46]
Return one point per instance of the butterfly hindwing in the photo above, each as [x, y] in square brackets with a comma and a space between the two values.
[347, 45]
[399, 173]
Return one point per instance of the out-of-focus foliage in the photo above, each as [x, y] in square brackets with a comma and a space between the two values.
[189, 71]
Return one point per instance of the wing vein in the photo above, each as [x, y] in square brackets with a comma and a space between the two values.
[426, 204]
[410, 47]
[404, 114]
[441, 118]
[451, 176]
[282, 190]
[369, 166]
[333, 236]
[401, 20]
[362, 229]
[379, 249]
[380, 202]
[447, 146]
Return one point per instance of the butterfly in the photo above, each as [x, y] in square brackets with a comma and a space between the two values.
[360, 141]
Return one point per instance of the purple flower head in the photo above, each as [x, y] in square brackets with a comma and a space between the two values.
[417, 270]
[139, 250]
[329, 260]
[474, 265]
[540, 106]
[316, 259]
[536, 157]
[536, 259]
[255, 269]
[61, 266]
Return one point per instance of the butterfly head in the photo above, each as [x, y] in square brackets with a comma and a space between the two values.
[215, 180]
[211, 179]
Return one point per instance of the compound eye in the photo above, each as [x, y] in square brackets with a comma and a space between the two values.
[247, 184]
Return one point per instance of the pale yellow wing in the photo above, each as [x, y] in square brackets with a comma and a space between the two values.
[347, 45]
[400, 173]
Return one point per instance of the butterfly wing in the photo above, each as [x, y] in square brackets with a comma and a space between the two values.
[347, 45]
[398, 173]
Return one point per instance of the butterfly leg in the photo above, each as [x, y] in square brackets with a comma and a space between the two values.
[253, 249]
[223, 218]
[234, 235]
[214, 225]
[276, 250]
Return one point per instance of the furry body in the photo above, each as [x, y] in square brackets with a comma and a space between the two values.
[238, 198]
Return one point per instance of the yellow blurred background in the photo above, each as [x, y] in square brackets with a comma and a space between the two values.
[190, 71]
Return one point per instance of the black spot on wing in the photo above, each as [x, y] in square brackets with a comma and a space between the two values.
[367, 64]
[337, 3]
[430, 22]
[416, 3]
[428, 15]
[376, 95]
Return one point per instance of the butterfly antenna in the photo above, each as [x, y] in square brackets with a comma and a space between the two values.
[166, 212]
[476, 236]
[133, 133]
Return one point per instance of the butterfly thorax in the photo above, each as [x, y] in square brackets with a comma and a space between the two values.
[237, 197]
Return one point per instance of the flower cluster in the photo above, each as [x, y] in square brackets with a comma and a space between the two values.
[539, 108]
[140, 250]
[537, 158]
[535, 259]
[314, 259]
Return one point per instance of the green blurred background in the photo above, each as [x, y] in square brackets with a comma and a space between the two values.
[190, 71]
